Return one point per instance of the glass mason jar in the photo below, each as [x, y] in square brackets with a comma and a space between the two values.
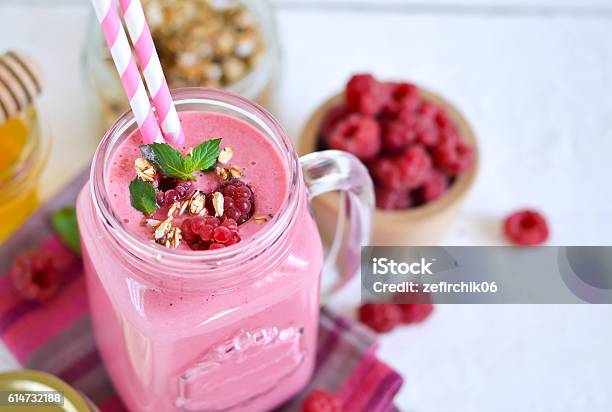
[259, 84]
[24, 150]
[225, 330]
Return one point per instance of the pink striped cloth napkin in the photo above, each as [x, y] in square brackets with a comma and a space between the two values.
[56, 336]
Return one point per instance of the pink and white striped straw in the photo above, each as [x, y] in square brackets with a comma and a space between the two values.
[128, 70]
[140, 34]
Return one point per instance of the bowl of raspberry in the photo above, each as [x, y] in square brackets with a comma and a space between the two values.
[419, 149]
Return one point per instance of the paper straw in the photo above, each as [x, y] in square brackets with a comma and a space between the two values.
[125, 63]
[140, 34]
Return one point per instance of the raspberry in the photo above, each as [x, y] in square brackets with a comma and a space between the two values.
[452, 156]
[415, 312]
[415, 165]
[208, 233]
[356, 134]
[365, 95]
[331, 119]
[427, 133]
[35, 275]
[415, 307]
[191, 228]
[402, 98]
[382, 317]
[397, 135]
[526, 228]
[433, 187]
[409, 119]
[449, 136]
[442, 119]
[222, 235]
[238, 201]
[404, 172]
[392, 199]
[466, 157]
[440, 133]
[429, 111]
[321, 401]
[385, 172]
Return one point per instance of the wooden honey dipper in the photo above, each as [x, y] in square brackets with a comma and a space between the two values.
[20, 84]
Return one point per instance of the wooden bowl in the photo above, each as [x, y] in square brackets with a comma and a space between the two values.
[419, 226]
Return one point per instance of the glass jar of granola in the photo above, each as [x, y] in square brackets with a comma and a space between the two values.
[226, 44]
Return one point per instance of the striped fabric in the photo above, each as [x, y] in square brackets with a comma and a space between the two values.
[56, 336]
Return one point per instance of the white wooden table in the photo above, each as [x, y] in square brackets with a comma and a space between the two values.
[535, 80]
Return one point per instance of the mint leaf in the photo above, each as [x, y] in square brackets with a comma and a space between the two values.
[167, 160]
[188, 162]
[64, 223]
[170, 162]
[204, 156]
[142, 196]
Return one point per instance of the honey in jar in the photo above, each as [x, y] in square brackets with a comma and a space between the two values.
[23, 149]
[23, 154]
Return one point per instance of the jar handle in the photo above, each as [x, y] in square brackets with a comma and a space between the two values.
[333, 170]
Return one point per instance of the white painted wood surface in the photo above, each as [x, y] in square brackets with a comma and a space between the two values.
[511, 5]
[534, 78]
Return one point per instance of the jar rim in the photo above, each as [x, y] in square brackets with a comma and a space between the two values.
[187, 261]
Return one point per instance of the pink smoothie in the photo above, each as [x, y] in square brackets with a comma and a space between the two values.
[243, 340]
[254, 154]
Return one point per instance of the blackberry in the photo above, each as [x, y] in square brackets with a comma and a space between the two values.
[174, 190]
